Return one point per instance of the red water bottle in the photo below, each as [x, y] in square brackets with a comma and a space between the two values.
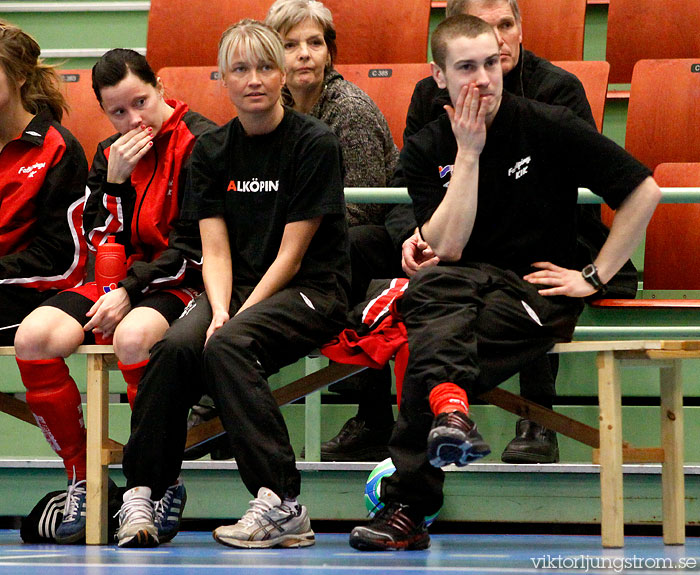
[110, 269]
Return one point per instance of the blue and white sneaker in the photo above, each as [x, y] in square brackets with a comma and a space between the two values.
[168, 511]
[72, 528]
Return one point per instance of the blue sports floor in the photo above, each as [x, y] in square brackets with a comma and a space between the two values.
[197, 552]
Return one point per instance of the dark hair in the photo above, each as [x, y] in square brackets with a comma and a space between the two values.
[19, 57]
[115, 65]
[459, 26]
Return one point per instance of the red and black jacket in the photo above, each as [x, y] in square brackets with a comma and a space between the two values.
[42, 194]
[143, 212]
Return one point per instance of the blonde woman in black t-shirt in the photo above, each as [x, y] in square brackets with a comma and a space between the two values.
[267, 191]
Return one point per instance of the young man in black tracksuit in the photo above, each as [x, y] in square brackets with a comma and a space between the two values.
[494, 187]
[374, 249]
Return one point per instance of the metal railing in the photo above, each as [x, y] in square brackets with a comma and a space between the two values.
[400, 196]
[74, 6]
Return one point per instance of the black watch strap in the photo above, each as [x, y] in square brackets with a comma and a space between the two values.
[590, 274]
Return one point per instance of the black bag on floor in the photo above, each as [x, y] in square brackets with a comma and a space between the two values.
[41, 523]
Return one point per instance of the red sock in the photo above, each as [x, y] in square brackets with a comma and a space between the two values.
[132, 375]
[447, 397]
[55, 401]
[400, 363]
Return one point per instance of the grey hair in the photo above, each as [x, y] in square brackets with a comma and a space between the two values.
[455, 7]
[285, 14]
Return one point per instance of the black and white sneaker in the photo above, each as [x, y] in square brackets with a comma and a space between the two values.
[393, 528]
[454, 438]
[137, 520]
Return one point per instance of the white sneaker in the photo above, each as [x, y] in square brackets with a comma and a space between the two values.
[268, 523]
[136, 519]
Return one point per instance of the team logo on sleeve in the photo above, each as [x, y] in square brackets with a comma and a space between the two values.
[444, 172]
[32, 170]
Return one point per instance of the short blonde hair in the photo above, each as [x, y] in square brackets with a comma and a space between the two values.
[256, 42]
[285, 14]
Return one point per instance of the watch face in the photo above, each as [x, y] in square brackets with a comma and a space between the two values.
[590, 274]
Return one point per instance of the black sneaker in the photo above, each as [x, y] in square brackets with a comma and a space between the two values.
[219, 447]
[393, 528]
[357, 442]
[454, 438]
[532, 444]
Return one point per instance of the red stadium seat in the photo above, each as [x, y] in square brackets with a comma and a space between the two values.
[365, 29]
[554, 29]
[663, 114]
[672, 257]
[201, 89]
[594, 77]
[650, 29]
[391, 88]
[85, 120]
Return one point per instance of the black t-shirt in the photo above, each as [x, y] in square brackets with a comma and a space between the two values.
[261, 183]
[535, 158]
[534, 78]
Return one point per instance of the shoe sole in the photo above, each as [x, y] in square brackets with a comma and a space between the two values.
[447, 445]
[71, 539]
[287, 541]
[142, 538]
[362, 543]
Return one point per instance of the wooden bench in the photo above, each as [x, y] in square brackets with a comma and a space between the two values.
[609, 449]
[103, 451]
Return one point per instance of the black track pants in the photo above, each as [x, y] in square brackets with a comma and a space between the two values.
[233, 368]
[473, 326]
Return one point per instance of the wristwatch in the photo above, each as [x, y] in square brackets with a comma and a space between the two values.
[590, 274]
